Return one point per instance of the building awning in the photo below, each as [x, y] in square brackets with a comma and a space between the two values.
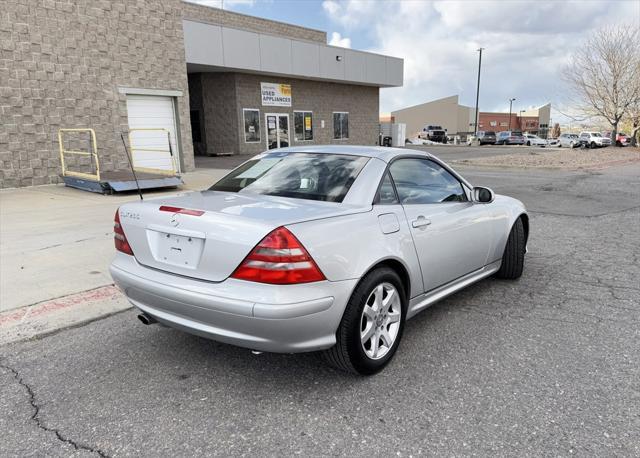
[214, 48]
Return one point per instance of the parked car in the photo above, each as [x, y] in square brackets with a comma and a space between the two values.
[593, 140]
[328, 248]
[433, 133]
[486, 137]
[534, 140]
[569, 140]
[510, 138]
[621, 138]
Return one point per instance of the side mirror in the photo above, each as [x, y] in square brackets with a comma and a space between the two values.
[483, 195]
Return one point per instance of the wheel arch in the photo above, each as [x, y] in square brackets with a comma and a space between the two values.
[398, 267]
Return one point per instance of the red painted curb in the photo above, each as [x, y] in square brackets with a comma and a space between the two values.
[43, 308]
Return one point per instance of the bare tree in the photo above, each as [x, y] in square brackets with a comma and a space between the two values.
[634, 118]
[604, 74]
[555, 132]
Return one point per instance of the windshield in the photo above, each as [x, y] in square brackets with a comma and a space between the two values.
[312, 176]
[596, 134]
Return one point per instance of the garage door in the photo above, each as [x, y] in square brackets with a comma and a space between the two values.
[150, 148]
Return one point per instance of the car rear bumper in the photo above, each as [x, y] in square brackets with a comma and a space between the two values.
[274, 318]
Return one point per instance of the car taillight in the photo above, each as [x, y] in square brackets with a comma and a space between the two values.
[279, 259]
[122, 244]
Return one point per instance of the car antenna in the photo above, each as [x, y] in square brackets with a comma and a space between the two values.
[133, 171]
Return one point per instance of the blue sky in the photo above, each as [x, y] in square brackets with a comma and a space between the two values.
[527, 42]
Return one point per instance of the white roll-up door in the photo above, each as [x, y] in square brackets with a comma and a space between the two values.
[151, 148]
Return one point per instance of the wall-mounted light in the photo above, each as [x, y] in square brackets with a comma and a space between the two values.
[339, 58]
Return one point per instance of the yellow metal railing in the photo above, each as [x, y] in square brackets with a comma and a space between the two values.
[136, 149]
[92, 153]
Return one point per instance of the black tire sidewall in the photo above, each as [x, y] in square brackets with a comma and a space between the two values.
[360, 361]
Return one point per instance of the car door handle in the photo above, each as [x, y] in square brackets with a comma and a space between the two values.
[421, 222]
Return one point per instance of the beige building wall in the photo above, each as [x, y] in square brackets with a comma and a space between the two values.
[544, 114]
[444, 112]
[466, 119]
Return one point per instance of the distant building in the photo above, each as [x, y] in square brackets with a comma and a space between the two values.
[459, 119]
[447, 112]
[534, 121]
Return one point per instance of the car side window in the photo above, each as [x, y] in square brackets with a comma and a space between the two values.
[386, 192]
[421, 181]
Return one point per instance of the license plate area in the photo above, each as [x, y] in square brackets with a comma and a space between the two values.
[174, 249]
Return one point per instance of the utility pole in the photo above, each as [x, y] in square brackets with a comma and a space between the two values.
[520, 121]
[510, 105]
[478, 90]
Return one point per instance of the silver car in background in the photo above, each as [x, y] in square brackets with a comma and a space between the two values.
[569, 140]
[327, 248]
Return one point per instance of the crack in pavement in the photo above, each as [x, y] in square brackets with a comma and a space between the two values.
[36, 412]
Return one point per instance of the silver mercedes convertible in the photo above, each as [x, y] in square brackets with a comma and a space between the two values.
[326, 248]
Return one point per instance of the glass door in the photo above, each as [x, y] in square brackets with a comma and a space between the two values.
[283, 131]
[277, 130]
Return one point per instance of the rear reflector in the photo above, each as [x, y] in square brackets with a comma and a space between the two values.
[183, 211]
[279, 259]
[121, 242]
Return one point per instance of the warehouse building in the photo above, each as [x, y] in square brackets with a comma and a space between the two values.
[446, 112]
[217, 82]
[460, 119]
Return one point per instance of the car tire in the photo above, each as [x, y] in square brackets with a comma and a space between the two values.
[528, 143]
[593, 145]
[350, 353]
[513, 256]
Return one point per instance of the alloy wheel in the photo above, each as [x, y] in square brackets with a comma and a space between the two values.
[380, 320]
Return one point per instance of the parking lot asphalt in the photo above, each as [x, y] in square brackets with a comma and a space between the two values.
[546, 365]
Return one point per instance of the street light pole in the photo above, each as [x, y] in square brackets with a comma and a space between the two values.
[510, 105]
[478, 90]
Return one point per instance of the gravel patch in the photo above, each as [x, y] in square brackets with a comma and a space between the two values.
[562, 158]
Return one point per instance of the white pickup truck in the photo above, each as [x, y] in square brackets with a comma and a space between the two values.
[433, 133]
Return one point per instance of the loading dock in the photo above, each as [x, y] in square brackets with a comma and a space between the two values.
[152, 165]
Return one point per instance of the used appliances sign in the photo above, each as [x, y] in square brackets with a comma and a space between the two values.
[276, 95]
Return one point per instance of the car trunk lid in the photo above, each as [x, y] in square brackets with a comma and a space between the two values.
[206, 235]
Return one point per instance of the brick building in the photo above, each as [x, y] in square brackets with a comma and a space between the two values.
[218, 82]
[534, 121]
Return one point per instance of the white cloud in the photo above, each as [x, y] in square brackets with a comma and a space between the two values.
[339, 40]
[527, 43]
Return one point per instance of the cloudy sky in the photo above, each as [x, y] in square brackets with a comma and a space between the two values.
[526, 42]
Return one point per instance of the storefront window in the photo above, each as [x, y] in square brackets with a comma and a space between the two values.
[303, 123]
[340, 125]
[251, 125]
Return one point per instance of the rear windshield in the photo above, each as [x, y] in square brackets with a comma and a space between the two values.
[311, 176]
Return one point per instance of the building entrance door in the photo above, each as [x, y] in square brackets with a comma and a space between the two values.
[277, 130]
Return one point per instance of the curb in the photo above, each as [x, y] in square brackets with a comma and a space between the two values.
[51, 316]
